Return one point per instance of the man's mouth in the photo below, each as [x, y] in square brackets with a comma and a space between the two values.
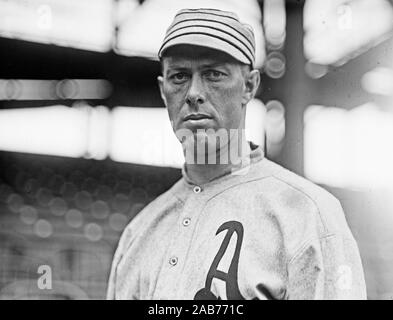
[196, 117]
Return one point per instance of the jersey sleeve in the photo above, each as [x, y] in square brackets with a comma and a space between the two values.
[120, 251]
[328, 268]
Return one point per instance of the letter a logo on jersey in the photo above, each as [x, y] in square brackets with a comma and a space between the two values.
[230, 278]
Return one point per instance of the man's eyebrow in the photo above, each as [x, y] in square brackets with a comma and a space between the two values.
[174, 68]
[204, 65]
[177, 66]
[214, 64]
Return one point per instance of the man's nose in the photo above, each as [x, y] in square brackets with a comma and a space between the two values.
[195, 95]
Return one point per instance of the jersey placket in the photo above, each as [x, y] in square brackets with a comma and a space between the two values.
[181, 241]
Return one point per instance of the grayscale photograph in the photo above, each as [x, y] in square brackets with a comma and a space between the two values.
[169, 150]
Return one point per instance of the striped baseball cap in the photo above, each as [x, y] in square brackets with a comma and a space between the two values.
[212, 28]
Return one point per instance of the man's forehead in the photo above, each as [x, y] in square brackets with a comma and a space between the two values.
[183, 62]
[186, 54]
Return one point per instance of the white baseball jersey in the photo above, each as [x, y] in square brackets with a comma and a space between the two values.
[264, 234]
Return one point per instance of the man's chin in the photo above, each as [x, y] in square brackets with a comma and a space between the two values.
[197, 134]
[197, 140]
[202, 147]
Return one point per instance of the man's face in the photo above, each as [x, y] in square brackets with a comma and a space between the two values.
[203, 89]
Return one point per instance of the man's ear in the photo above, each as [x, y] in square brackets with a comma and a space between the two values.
[252, 81]
[160, 80]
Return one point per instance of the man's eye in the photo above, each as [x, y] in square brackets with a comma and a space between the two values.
[179, 77]
[215, 75]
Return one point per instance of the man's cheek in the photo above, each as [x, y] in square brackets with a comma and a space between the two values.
[173, 90]
[173, 94]
[173, 107]
[227, 97]
[229, 92]
[173, 104]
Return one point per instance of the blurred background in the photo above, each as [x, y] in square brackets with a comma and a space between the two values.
[85, 141]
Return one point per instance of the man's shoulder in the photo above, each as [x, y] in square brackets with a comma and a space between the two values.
[297, 193]
[286, 179]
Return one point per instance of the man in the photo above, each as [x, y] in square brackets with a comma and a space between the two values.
[236, 226]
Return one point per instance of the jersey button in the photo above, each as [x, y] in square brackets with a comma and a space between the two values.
[173, 261]
[186, 222]
[197, 189]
